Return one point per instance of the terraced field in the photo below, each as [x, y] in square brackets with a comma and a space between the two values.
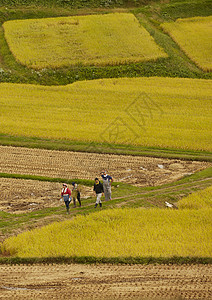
[171, 113]
[168, 116]
[193, 35]
[140, 171]
[106, 282]
[107, 39]
[19, 196]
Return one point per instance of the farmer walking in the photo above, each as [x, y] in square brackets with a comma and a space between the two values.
[107, 180]
[76, 193]
[66, 196]
[98, 189]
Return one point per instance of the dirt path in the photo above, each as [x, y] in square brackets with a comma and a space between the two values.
[106, 282]
[136, 170]
[21, 196]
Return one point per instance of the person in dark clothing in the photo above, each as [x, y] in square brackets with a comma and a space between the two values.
[98, 190]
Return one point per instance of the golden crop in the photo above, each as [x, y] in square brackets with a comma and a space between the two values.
[108, 39]
[198, 200]
[158, 112]
[193, 35]
[161, 112]
[120, 232]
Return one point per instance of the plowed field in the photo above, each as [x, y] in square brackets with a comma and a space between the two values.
[136, 170]
[106, 282]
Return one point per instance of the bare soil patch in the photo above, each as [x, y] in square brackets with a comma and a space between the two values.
[136, 170]
[106, 282]
[19, 195]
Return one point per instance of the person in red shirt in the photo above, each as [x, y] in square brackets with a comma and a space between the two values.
[66, 196]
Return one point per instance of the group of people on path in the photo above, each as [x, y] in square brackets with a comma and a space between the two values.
[99, 189]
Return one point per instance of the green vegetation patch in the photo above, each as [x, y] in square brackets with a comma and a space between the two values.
[108, 39]
[177, 64]
[105, 260]
[94, 147]
[185, 9]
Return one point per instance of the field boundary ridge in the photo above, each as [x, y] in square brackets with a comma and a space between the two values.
[177, 260]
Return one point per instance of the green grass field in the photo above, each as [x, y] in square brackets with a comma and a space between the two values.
[193, 35]
[108, 39]
[153, 112]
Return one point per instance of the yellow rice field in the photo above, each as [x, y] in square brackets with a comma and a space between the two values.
[109, 39]
[198, 200]
[194, 36]
[160, 112]
[153, 232]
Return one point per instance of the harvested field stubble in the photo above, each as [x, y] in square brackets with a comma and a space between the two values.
[19, 195]
[136, 170]
[105, 282]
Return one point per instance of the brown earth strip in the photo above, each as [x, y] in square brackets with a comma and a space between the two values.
[136, 170]
[106, 282]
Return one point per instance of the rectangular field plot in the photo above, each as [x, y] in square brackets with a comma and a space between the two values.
[194, 36]
[109, 39]
[157, 112]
